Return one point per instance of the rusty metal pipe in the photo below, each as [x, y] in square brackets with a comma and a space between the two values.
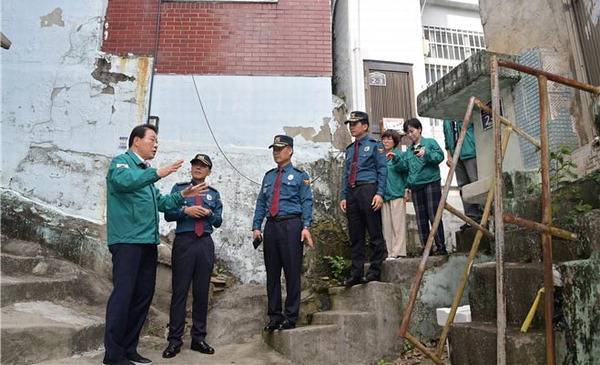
[474, 247]
[547, 221]
[465, 218]
[557, 232]
[423, 349]
[550, 76]
[436, 223]
[508, 123]
[498, 212]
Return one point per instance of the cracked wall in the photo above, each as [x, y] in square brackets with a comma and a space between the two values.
[64, 104]
[68, 110]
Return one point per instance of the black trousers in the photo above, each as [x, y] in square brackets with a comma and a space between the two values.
[361, 216]
[283, 250]
[193, 259]
[134, 279]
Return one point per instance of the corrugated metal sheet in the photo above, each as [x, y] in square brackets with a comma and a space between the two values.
[588, 29]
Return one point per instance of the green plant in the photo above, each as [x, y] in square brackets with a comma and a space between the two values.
[337, 265]
[561, 176]
[383, 362]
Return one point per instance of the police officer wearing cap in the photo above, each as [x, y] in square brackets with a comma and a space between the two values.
[193, 257]
[285, 199]
[365, 175]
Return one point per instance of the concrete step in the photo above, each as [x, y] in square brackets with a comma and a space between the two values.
[39, 331]
[475, 344]
[31, 288]
[317, 344]
[464, 241]
[402, 271]
[372, 297]
[524, 245]
[522, 281]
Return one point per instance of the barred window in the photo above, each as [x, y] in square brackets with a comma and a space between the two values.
[447, 48]
[452, 44]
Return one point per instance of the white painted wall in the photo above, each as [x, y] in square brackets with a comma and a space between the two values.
[244, 113]
[60, 131]
[58, 128]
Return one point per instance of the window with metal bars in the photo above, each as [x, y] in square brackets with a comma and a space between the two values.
[447, 48]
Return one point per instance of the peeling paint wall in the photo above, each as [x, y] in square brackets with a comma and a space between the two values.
[244, 113]
[64, 104]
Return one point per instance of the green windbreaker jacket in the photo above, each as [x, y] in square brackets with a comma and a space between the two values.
[133, 202]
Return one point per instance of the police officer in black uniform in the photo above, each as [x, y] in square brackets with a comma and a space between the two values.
[285, 199]
[365, 175]
[193, 258]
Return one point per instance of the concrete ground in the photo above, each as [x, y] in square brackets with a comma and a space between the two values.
[252, 352]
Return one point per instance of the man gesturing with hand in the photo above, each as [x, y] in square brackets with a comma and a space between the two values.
[133, 203]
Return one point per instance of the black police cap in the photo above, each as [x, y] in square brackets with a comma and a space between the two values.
[282, 140]
[358, 117]
[203, 159]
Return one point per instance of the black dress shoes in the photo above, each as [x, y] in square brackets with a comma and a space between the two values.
[272, 325]
[286, 325]
[352, 281]
[138, 359]
[203, 347]
[171, 351]
[369, 277]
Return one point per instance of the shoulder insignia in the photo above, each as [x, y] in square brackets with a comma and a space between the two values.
[212, 188]
[306, 181]
[299, 170]
[380, 149]
[373, 140]
[273, 169]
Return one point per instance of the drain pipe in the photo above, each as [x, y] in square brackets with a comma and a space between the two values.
[158, 17]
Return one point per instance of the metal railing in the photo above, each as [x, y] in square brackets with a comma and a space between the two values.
[495, 194]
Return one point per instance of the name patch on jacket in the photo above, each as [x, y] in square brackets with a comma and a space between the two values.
[123, 165]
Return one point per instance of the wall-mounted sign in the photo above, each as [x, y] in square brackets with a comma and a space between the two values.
[396, 124]
[123, 142]
[377, 79]
[486, 119]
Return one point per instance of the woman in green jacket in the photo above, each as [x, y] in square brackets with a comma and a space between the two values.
[393, 212]
[423, 158]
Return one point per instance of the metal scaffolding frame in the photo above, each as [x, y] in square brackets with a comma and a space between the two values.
[495, 194]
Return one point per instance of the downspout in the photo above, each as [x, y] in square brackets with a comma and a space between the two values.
[158, 18]
[357, 81]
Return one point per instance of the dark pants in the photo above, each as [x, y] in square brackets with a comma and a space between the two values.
[426, 202]
[360, 215]
[193, 259]
[283, 250]
[466, 173]
[134, 278]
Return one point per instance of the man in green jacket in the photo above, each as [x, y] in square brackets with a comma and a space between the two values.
[133, 203]
[466, 166]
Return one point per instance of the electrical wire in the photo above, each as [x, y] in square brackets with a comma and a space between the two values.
[215, 138]
[223, 152]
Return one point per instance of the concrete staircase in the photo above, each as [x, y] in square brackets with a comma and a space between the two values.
[523, 280]
[360, 328]
[51, 308]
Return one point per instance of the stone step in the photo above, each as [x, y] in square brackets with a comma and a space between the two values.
[464, 241]
[31, 288]
[37, 265]
[403, 270]
[39, 331]
[522, 282]
[474, 343]
[372, 297]
[318, 344]
[524, 245]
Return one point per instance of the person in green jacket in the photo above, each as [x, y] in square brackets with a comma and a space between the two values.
[423, 158]
[133, 203]
[466, 166]
[393, 212]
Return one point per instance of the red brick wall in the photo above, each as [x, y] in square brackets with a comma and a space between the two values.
[291, 37]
